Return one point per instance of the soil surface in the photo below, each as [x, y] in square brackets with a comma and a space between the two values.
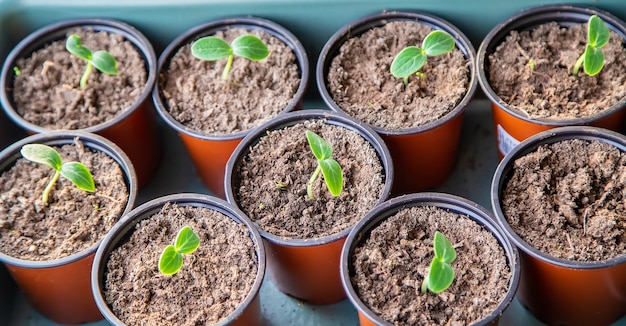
[47, 92]
[567, 200]
[73, 220]
[391, 264]
[549, 90]
[361, 84]
[196, 95]
[283, 157]
[212, 283]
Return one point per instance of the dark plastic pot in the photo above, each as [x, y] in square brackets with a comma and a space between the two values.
[559, 291]
[452, 203]
[210, 153]
[60, 289]
[247, 313]
[306, 268]
[437, 140]
[511, 125]
[134, 130]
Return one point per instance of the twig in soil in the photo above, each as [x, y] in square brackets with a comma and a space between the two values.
[46, 66]
[569, 240]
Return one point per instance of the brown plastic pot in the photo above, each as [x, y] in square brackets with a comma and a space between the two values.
[559, 291]
[511, 125]
[437, 140]
[455, 204]
[60, 289]
[307, 269]
[210, 153]
[247, 313]
[134, 130]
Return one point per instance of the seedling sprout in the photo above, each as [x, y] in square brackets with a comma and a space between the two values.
[440, 274]
[333, 175]
[592, 60]
[75, 172]
[102, 60]
[411, 59]
[213, 48]
[171, 259]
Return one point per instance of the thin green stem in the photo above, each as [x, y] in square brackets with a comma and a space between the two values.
[309, 186]
[425, 284]
[226, 71]
[83, 80]
[578, 63]
[46, 192]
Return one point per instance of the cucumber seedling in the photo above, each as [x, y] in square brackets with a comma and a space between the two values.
[592, 60]
[411, 59]
[212, 48]
[75, 172]
[440, 274]
[171, 259]
[333, 175]
[102, 60]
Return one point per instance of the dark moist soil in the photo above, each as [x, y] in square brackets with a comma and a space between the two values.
[196, 95]
[47, 92]
[360, 83]
[283, 157]
[212, 283]
[74, 219]
[567, 200]
[549, 90]
[391, 264]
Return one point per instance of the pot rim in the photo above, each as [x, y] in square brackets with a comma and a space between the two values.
[62, 137]
[529, 145]
[42, 36]
[527, 19]
[378, 19]
[126, 225]
[292, 118]
[450, 202]
[249, 22]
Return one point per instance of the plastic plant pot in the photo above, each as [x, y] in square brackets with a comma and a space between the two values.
[208, 152]
[307, 269]
[511, 125]
[438, 140]
[559, 291]
[60, 289]
[451, 203]
[247, 313]
[134, 130]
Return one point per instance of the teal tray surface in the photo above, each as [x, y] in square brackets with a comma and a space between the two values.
[313, 22]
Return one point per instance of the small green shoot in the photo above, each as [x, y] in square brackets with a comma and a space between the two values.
[17, 70]
[592, 59]
[411, 59]
[213, 48]
[440, 274]
[102, 60]
[171, 259]
[333, 175]
[75, 172]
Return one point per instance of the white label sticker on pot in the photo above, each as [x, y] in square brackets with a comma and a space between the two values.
[506, 142]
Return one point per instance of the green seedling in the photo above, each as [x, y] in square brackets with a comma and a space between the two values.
[75, 172]
[102, 60]
[333, 175]
[592, 60]
[171, 259]
[411, 59]
[440, 274]
[213, 48]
